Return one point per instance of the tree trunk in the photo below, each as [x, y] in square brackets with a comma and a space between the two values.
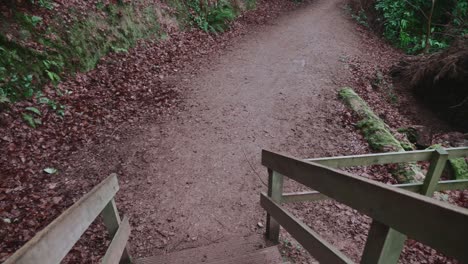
[428, 31]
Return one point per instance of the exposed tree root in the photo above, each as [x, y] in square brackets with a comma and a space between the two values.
[440, 80]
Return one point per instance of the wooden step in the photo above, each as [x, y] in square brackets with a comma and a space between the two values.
[206, 254]
[269, 255]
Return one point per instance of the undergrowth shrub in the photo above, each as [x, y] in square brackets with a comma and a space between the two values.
[64, 48]
[91, 38]
[209, 17]
[405, 22]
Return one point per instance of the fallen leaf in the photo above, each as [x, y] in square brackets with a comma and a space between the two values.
[50, 170]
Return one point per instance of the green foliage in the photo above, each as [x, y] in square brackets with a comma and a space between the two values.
[219, 16]
[43, 3]
[250, 4]
[66, 47]
[13, 83]
[31, 120]
[90, 39]
[34, 110]
[23, 71]
[29, 21]
[58, 108]
[208, 17]
[460, 168]
[405, 22]
[361, 18]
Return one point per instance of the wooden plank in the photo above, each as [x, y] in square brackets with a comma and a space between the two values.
[385, 158]
[384, 244]
[457, 152]
[441, 186]
[387, 204]
[412, 187]
[319, 248]
[303, 197]
[52, 243]
[213, 252]
[373, 159]
[452, 185]
[111, 219]
[269, 255]
[275, 191]
[434, 172]
[118, 245]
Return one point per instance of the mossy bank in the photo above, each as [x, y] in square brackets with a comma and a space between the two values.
[41, 45]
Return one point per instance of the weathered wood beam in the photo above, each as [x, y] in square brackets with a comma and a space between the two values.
[384, 244]
[275, 191]
[387, 205]
[303, 197]
[386, 158]
[117, 247]
[412, 187]
[53, 243]
[319, 248]
[373, 159]
[111, 218]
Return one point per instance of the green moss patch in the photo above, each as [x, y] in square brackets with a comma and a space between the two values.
[375, 131]
[460, 168]
[64, 47]
[378, 134]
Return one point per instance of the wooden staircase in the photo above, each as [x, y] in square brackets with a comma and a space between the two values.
[245, 250]
[405, 208]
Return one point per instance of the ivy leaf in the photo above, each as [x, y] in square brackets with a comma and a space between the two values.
[43, 100]
[50, 170]
[34, 110]
[4, 99]
[29, 119]
[36, 20]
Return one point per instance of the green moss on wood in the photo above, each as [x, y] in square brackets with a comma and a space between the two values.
[374, 129]
[378, 134]
[460, 168]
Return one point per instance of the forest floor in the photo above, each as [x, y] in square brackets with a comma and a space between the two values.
[190, 174]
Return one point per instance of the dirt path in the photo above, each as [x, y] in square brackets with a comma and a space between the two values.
[195, 178]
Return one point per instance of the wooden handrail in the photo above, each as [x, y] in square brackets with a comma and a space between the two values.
[387, 205]
[307, 196]
[53, 243]
[118, 244]
[323, 251]
[386, 158]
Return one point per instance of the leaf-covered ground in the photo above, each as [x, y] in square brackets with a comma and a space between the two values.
[110, 108]
[125, 88]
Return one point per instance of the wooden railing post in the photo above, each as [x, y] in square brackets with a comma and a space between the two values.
[111, 219]
[384, 244]
[438, 161]
[275, 192]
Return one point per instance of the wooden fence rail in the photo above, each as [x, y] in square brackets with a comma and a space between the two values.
[386, 158]
[396, 212]
[52, 244]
